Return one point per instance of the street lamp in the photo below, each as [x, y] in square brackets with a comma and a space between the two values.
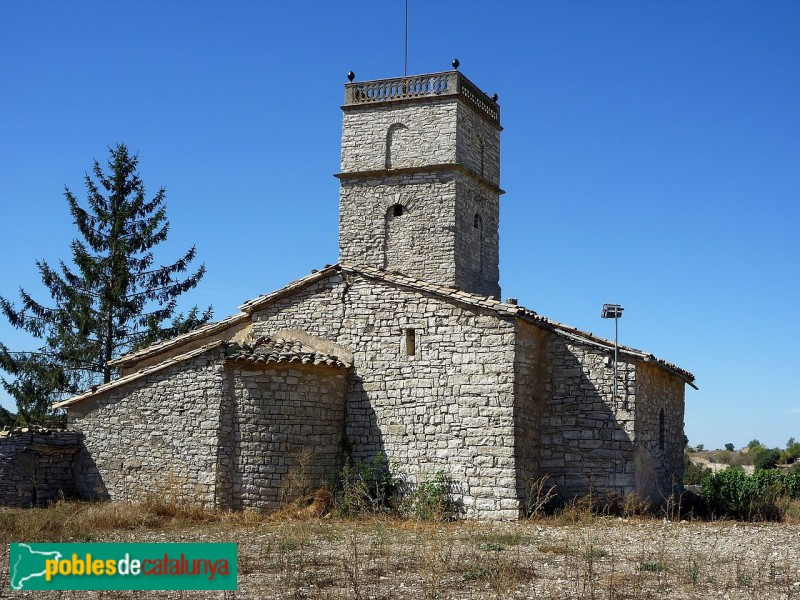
[614, 311]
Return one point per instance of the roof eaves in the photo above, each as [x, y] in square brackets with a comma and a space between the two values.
[598, 342]
[194, 334]
[99, 389]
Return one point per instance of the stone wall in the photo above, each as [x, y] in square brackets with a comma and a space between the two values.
[587, 441]
[36, 466]
[427, 135]
[288, 430]
[659, 448]
[478, 144]
[477, 238]
[448, 230]
[419, 243]
[449, 406]
[531, 390]
[157, 434]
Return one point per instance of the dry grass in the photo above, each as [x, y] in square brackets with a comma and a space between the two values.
[574, 555]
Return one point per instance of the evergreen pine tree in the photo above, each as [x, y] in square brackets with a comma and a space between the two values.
[114, 299]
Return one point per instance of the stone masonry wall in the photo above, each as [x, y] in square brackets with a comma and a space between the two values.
[531, 390]
[289, 420]
[427, 135]
[449, 406]
[659, 452]
[419, 243]
[478, 144]
[477, 244]
[587, 438]
[158, 434]
[436, 238]
[36, 466]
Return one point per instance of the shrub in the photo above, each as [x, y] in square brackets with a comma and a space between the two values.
[371, 488]
[694, 474]
[762, 496]
[729, 447]
[791, 483]
[365, 488]
[430, 501]
[767, 459]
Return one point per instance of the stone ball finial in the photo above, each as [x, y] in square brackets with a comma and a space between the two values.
[494, 97]
[455, 64]
[350, 76]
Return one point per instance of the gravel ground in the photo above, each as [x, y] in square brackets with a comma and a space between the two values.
[385, 559]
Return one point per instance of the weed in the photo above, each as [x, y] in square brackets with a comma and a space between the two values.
[539, 497]
[693, 572]
[650, 566]
[430, 500]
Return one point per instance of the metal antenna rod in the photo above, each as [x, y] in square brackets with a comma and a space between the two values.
[616, 353]
[405, 64]
[614, 311]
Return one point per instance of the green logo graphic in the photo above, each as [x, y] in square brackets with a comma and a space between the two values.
[122, 566]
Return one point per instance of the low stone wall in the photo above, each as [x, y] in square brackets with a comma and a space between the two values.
[36, 466]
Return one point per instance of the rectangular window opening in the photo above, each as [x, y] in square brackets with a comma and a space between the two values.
[411, 342]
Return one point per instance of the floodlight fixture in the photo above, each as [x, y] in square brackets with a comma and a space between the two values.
[612, 311]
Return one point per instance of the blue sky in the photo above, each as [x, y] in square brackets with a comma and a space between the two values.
[650, 158]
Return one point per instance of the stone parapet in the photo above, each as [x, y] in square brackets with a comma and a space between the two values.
[421, 87]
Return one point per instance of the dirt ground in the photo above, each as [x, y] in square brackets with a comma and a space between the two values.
[384, 559]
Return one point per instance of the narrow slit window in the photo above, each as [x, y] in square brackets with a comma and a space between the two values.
[411, 342]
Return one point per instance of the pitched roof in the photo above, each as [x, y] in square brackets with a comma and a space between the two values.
[266, 351]
[263, 351]
[194, 334]
[520, 312]
[391, 277]
[98, 389]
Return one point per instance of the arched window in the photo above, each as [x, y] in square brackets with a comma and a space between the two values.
[394, 145]
[661, 429]
[396, 236]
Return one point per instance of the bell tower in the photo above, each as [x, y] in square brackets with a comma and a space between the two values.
[420, 179]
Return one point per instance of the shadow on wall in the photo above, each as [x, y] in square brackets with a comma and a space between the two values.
[363, 439]
[590, 443]
[89, 484]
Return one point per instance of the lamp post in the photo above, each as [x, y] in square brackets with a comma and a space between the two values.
[614, 311]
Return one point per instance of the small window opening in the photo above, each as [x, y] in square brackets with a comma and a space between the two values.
[397, 210]
[411, 342]
[476, 223]
[661, 429]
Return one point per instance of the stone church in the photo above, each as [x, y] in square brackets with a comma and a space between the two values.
[403, 347]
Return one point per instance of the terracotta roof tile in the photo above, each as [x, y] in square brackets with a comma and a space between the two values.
[267, 350]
